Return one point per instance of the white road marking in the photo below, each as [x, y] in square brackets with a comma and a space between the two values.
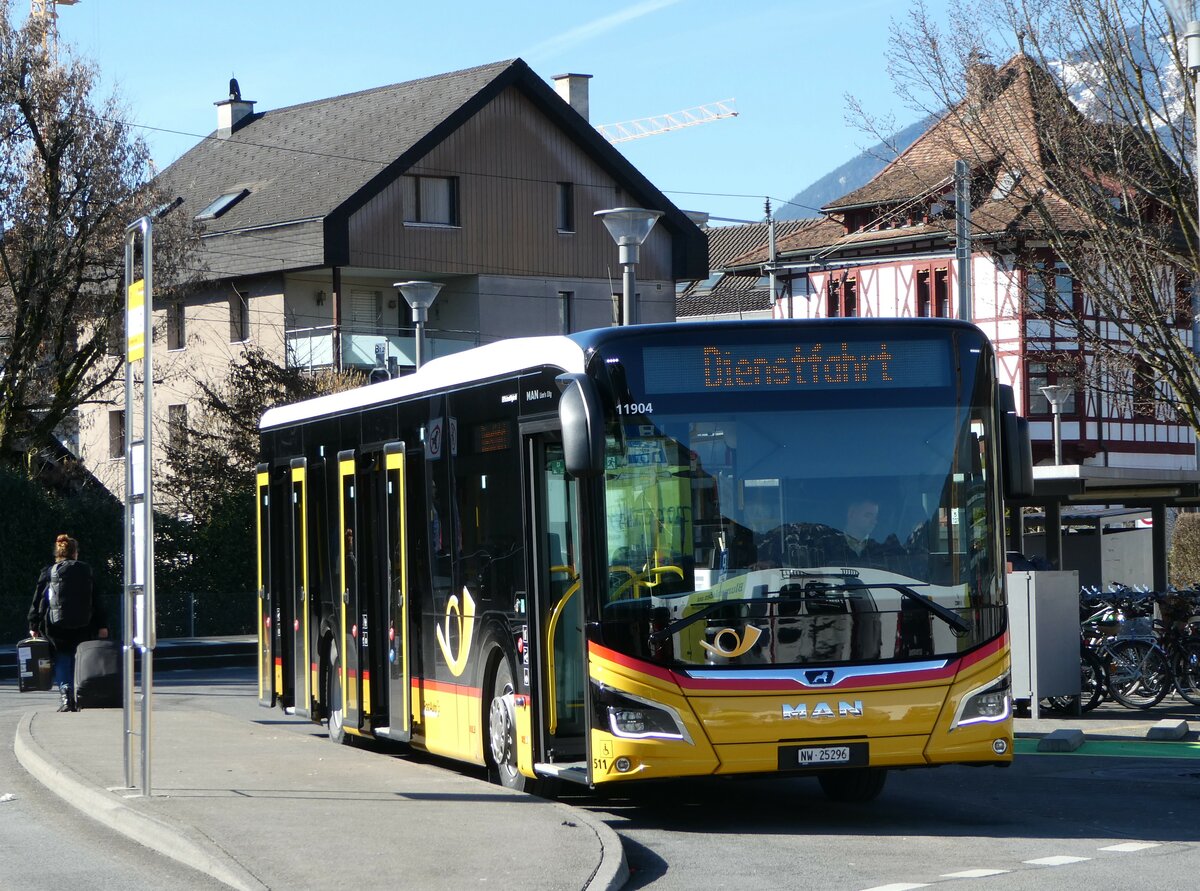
[1056, 861]
[898, 886]
[1131, 846]
[973, 874]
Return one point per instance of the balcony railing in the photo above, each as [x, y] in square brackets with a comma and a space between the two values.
[312, 348]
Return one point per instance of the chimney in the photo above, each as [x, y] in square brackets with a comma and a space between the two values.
[233, 111]
[982, 81]
[574, 88]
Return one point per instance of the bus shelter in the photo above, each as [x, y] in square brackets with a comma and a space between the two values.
[1059, 488]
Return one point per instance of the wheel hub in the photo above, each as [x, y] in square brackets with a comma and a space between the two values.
[503, 729]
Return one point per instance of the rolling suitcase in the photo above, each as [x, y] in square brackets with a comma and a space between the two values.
[35, 667]
[97, 675]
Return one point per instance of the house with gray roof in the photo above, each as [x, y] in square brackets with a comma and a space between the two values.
[484, 181]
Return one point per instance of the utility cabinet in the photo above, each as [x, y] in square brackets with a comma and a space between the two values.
[1043, 615]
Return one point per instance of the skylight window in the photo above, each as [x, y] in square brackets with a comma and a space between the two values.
[222, 204]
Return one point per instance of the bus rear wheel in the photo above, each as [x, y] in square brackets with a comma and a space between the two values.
[855, 784]
[502, 731]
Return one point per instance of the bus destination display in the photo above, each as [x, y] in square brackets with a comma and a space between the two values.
[817, 365]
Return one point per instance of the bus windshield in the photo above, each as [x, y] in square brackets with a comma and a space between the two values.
[778, 525]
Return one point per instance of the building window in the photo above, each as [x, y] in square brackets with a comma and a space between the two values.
[941, 293]
[565, 299]
[1145, 395]
[177, 427]
[114, 341]
[843, 297]
[176, 334]
[566, 207]
[1042, 374]
[430, 199]
[1049, 289]
[116, 433]
[239, 317]
[1183, 300]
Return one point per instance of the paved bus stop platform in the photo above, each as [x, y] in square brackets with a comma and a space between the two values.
[260, 806]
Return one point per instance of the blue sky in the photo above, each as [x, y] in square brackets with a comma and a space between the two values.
[788, 64]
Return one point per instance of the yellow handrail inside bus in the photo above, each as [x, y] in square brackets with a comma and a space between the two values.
[555, 614]
[639, 579]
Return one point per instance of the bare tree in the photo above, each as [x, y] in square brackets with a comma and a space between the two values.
[1081, 148]
[212, 458]
[72, 177]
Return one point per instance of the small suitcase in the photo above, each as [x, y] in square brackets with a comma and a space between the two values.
[35, 666]
[98, 675]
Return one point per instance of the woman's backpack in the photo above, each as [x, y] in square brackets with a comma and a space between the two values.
[69, 594]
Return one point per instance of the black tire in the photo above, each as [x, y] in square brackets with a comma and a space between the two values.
[854, 784]
[502, 731]
[1092, 681]
[1138, 674]
[1187, 671]
[335, 723]
[1091, 686]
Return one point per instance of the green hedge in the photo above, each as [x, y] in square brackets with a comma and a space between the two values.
[31, 519]
[206, 571]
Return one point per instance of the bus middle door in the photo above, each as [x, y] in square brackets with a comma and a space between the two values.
[299, 589]
[560, 653]
[349, 664]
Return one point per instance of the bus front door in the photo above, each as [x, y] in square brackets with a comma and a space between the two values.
[299, 589]
[562, 701]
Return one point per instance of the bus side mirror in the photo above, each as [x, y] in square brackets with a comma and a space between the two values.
[1015, 447]
[582, 421]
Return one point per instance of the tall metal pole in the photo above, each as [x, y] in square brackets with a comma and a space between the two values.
[1192, 39]
[962, 226]
[628, 290]
[139, 500]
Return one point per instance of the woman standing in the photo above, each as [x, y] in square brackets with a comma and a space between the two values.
[66, 613]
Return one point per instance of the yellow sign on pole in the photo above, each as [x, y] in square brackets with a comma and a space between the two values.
[135, 321]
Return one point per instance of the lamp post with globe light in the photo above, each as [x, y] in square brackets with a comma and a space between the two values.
[419, 296]
[629, 227]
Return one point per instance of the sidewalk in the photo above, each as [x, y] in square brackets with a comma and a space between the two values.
[261, 807]
[1173, 719]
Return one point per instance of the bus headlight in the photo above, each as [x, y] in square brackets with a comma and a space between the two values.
[989, 704]
[631, 717]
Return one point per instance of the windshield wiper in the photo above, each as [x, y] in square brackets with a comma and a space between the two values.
[949, 616]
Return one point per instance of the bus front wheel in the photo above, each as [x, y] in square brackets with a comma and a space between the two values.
[853, 784]
[502, 730]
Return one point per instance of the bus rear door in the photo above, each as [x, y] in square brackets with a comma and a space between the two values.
[267, 643]
[560, 655]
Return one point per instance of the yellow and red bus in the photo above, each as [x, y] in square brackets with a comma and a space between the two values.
[654, 551]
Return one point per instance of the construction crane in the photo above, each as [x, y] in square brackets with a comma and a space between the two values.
[47, 12]
[689, 117]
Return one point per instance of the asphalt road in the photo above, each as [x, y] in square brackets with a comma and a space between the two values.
[1059, 822]
[47, 845]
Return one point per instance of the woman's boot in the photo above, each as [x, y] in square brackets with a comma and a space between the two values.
[67, 701]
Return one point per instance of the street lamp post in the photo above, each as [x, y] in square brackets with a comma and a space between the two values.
[1191, 36]
[629, 227]
[420, 296]
[1056, 395]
